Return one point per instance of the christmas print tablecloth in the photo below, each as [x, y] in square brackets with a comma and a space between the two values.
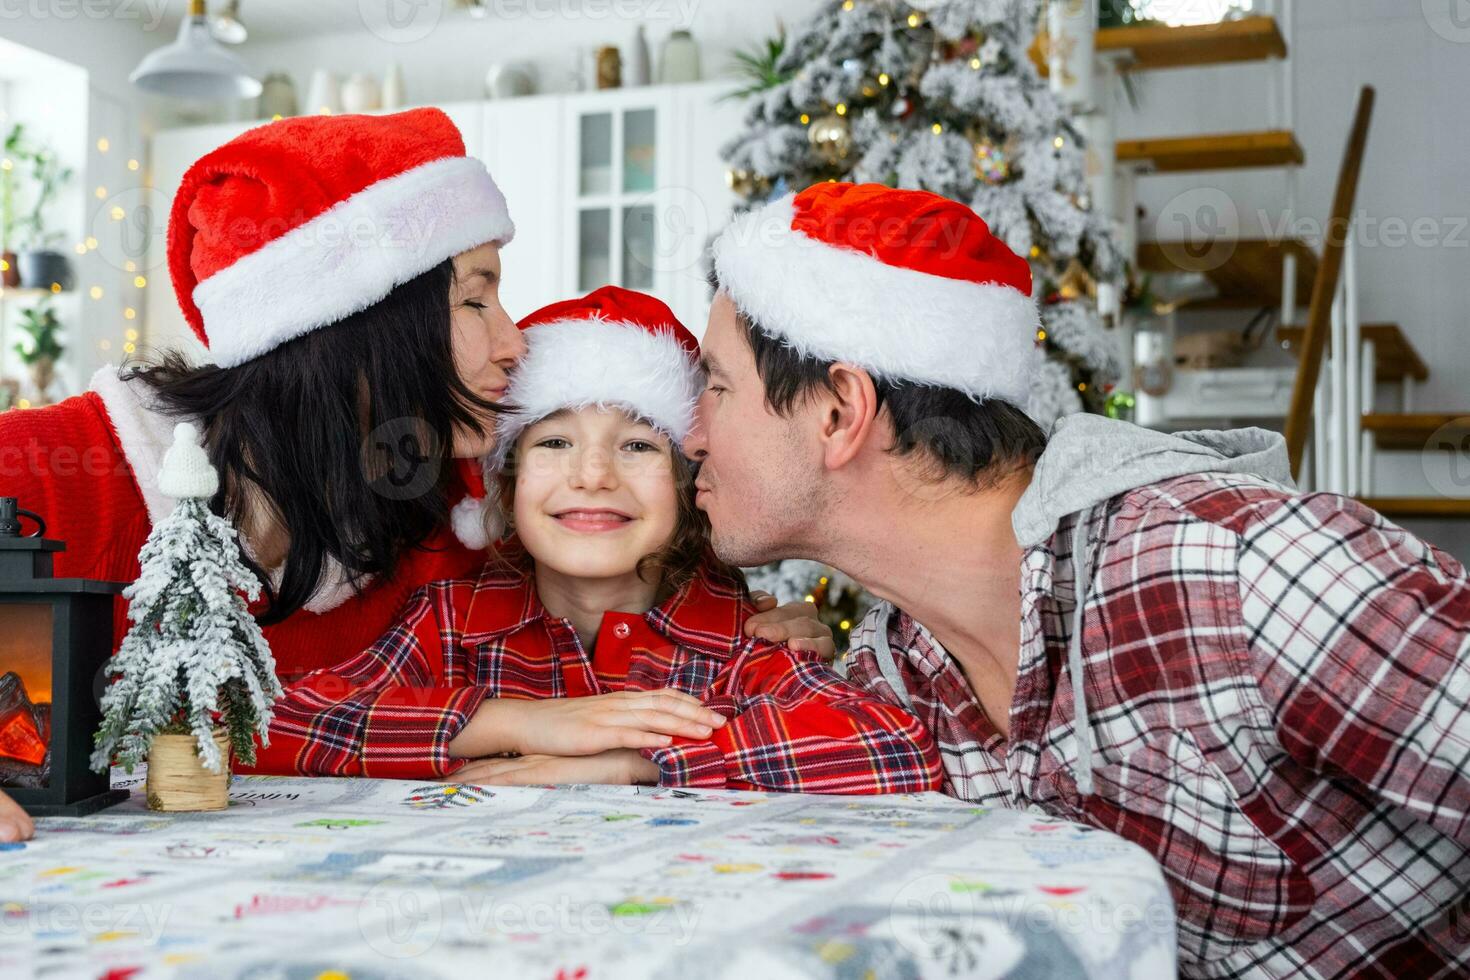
[365, 878]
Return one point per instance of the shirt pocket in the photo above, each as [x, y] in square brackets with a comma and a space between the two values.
[1232, 885]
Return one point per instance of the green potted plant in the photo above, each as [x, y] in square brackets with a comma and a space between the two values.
[35, 168]
[9, 271]
[41, 348]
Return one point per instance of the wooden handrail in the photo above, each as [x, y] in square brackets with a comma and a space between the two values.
[1319, 316]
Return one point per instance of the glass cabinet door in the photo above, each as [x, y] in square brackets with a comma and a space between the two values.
[617, 168]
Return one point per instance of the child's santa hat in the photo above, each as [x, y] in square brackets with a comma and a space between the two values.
[299, 223]
[613, 348]
[907, 284]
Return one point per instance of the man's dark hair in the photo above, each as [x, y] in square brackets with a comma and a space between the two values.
[980, 442]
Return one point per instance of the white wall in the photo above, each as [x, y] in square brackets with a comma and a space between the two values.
[449, 64]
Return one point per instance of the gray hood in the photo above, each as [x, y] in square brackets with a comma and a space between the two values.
[1089, 459]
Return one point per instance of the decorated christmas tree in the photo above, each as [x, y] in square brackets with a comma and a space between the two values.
[942, 95]
[194, 657]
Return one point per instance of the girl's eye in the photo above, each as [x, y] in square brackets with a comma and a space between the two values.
[640, 446]
[554, 442]
[474, 305]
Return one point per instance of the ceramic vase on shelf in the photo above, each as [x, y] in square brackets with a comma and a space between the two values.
[609, 67]
[680, 61]
[325, 93]
[278, 96]
[510, 80]
[393, 86]
[640, 70]
[361, 94]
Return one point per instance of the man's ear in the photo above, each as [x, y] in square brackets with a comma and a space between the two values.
[849, 414]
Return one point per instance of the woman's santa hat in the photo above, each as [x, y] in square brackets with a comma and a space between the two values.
[613, 348]
[297, 224]
[907, 284]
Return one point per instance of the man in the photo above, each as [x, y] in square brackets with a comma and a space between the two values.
[1265, 689]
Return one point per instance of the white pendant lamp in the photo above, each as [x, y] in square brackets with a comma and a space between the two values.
[195, 66]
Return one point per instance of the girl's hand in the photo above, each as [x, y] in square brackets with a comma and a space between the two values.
[590, 725]
[794, 624]
[618, 766]
[16, 825]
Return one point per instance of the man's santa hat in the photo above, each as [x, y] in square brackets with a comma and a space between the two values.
[907, 284]
[613, 348]
[299, 223]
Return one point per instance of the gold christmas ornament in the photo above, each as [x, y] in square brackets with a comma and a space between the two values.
[831, 137]
[1076, 282]
[745, 183]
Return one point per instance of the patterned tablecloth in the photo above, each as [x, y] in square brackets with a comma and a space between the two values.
[361, 878]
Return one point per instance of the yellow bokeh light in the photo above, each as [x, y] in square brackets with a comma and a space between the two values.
[91, 242]
[130, 335]
[101, 192]
[841, 108]
[81, 248]
[132, 164]
[95, 292]
[805, 119]
[811, 598]
[847, 4]
[56, 287]
[130, 266]
[140, 281]
[129, 348]
[103, 145]
[276, 117]
[975, 63]
[914, 20]
[130, 314]
[6, 164]
[117, 213]
[937, 128]
[1059, 142]
[846, 624]
[883, 78]
[23, 403]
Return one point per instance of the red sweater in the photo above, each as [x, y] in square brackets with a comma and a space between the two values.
[795, 725]
[88, 466]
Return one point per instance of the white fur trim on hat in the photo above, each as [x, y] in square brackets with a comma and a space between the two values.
[470, 520]
[843, 305]
[577, 363]
[350, 256]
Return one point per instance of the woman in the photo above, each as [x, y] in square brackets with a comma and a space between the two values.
[344, 273]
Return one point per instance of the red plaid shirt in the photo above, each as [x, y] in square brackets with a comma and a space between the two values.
[1277, 688]
[794, 724]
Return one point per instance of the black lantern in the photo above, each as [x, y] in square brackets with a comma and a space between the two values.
[55, 640]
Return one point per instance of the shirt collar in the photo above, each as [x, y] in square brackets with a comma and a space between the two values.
[709, 611]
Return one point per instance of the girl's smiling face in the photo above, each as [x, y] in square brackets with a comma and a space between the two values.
[594, 492]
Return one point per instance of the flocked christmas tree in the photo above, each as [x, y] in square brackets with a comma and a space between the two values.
[940, 95]
[194, 656]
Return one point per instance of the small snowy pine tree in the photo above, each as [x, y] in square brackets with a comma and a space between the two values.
[194, 651]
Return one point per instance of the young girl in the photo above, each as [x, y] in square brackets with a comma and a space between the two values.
[603, 642]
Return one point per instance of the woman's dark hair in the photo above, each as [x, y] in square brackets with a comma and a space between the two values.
[679, 561]
[345, 432]
[978, 442]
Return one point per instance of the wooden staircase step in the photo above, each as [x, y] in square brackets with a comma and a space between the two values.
[1246, 275]
[1419, 431]
[1427, 507]
[1151, 46]
[1393, 355]
[1221, 151]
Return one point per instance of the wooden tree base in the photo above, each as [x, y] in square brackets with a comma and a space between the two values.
[177, 779]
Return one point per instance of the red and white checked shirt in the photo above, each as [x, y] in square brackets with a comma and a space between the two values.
[1277, 688]
[795, 724]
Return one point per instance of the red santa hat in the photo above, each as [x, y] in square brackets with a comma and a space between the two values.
[613, 348]
[299, 223]
[907, 284]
